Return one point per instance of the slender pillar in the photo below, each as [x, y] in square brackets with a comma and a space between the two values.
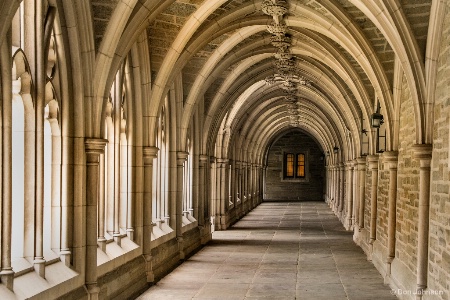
[94, 148]
[40, 83]
[349, 206]
[341, 188]
[181, 158]
[6, 273]
[361, 190]
[391, 159]
[101, 239]
[334, 187]
[373, 165]
[423, 152]
[213, 192]
[115, 172]
[222, 198]
[202, 205]
[149, 153]
[355, 192]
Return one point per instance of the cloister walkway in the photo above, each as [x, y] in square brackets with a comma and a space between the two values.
[280, 250]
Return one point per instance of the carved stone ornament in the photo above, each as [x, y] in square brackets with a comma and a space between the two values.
[274, 8]
[277, 29]
[281, 41]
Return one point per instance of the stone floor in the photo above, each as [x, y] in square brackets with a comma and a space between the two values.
[278, 251]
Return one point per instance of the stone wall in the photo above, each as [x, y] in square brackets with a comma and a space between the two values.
[278, 188]
[407, 185]
[439, 253]
[382, 203]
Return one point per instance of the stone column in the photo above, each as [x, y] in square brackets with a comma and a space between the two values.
[149, 153]
[203, 159]
[181, 158]
[341, 188]
[423, 152]
[328, 185]
[333, 188]
[361, 189]
[213, 192]
[391, 159]
[355, 192]
[349, 206]
[94, 148]
[373, 166]
[222, 199]
[101, 239]
[6, 273]
[202, 205]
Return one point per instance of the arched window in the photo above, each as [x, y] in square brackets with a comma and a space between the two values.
[160, 177]
[114, 209]
[188, 210]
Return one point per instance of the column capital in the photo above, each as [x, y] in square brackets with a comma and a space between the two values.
[94, 145]
[150, 152]
[203, 159]
[181, 157]
[373, 161]
[361, 160]
[222, 160]
[390, 158]
[422, 151]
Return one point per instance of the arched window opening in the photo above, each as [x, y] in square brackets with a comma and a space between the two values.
[52, 178]
[160, 178]
[125, 222]
[18, 171]
[22, 127]
[188, 210]
[106, 211]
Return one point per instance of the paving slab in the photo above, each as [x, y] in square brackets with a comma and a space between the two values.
[280, 250]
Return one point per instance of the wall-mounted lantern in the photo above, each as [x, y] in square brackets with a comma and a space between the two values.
[376, 119]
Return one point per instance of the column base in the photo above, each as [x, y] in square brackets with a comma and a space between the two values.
[92, 290]
[180, 241]
[39, 266]
[118, 239]
[387, 276]
[101, 242]
[65, 257]
[7, 278]
[149, 268]
[130, 234]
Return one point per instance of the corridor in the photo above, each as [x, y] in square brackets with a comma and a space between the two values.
[280, 250]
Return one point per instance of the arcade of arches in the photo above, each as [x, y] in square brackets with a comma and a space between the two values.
[133, 129]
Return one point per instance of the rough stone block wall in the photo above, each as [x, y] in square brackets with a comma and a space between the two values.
[407, 185]
[133, 272]
[382, 203]
[279, 189]
[439, 252]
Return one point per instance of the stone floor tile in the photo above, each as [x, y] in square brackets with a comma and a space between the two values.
[278, 251]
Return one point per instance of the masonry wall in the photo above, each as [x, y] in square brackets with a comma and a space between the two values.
[278, 188]
[407, 185]
[439, 252]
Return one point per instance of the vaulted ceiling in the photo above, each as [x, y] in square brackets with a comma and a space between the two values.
[264, 67]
